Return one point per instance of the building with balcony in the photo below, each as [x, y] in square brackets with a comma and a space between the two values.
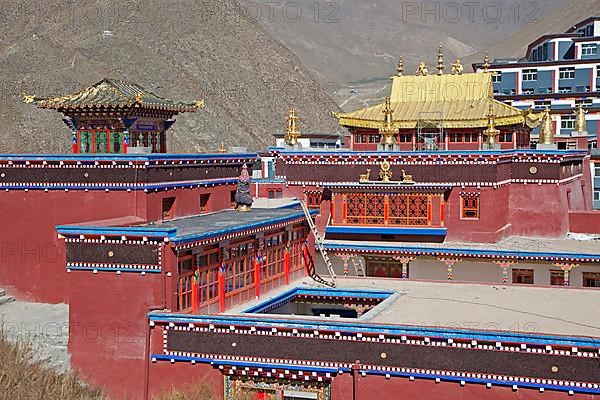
[559, 71]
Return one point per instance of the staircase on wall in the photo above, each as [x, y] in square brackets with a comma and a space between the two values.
[309, 262]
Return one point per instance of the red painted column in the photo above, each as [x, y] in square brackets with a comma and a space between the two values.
[257, 276]
[195, 293]
[286, 264]
[74, 146]
[221, 288]
[125, 142]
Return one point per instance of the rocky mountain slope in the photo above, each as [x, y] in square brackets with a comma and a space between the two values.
[182, 49]
[353, 42]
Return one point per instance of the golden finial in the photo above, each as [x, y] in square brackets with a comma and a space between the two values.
[580, 123]
[422, 69]
[486, 62]
[400, 67]
[441, 67]
[491, 133]
[199, 104]
[387, 130]
[222, 148]
[139, 98]
[546, 130]
[292, 132]
[28, 99]
[457, 68]
[385, 172]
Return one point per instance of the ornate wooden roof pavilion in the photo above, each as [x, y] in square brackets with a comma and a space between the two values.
[112, 115]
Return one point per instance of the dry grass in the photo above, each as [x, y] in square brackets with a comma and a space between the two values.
[24, 378]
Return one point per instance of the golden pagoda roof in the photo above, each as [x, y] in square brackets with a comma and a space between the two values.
[462, 101]
[112, 93]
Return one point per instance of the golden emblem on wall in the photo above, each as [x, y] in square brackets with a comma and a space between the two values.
[365, 177]
[385, 171]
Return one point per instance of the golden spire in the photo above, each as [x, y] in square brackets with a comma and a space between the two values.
[491, 133]
[222, 148]
[422, 69]
[580, 123]
[546, 130]
[387, 130]
[28, 99]
[441, 67]
[292, 132]
[457, 68]
[400, 67]
[486, 62]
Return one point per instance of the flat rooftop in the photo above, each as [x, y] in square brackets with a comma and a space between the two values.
[228, 221]
[195, 227]
[510, 248]
[468, 306]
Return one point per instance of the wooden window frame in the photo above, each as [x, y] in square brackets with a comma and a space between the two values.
[590, 276]
[464, 209]
[524, 272]
[170, 214]
[185, 285]
[559, 275]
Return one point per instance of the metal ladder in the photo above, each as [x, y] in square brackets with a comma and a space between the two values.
[358, 268]
[319, 245]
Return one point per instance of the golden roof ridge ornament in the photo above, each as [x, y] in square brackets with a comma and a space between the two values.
[580, 122]
[222, 148]
[28, 99]
[441, 67]
[292, 132]
[199, 104]
[486, 62]
[422, 69]
[387, 130]
[546, 130]
[457, 68]
[491, 133]
[400, 67]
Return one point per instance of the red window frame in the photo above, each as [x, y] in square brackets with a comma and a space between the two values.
[469, 207]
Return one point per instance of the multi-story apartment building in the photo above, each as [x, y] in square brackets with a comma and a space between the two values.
[559, 71]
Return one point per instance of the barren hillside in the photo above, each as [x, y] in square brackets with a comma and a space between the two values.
[181, 49]
[350, 42]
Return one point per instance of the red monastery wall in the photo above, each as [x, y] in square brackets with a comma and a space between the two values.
[33, 259]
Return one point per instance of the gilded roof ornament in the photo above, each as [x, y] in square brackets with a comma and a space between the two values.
[292, 132]
[199, 104]
[457, 68]
[422, 69]
[546, 130]
[440, 67]
[486, 62]
[400, 67]
[580, 123]
[28, 99]
[491, 133]
[387, 130]
[222, 148]
[139, 98]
